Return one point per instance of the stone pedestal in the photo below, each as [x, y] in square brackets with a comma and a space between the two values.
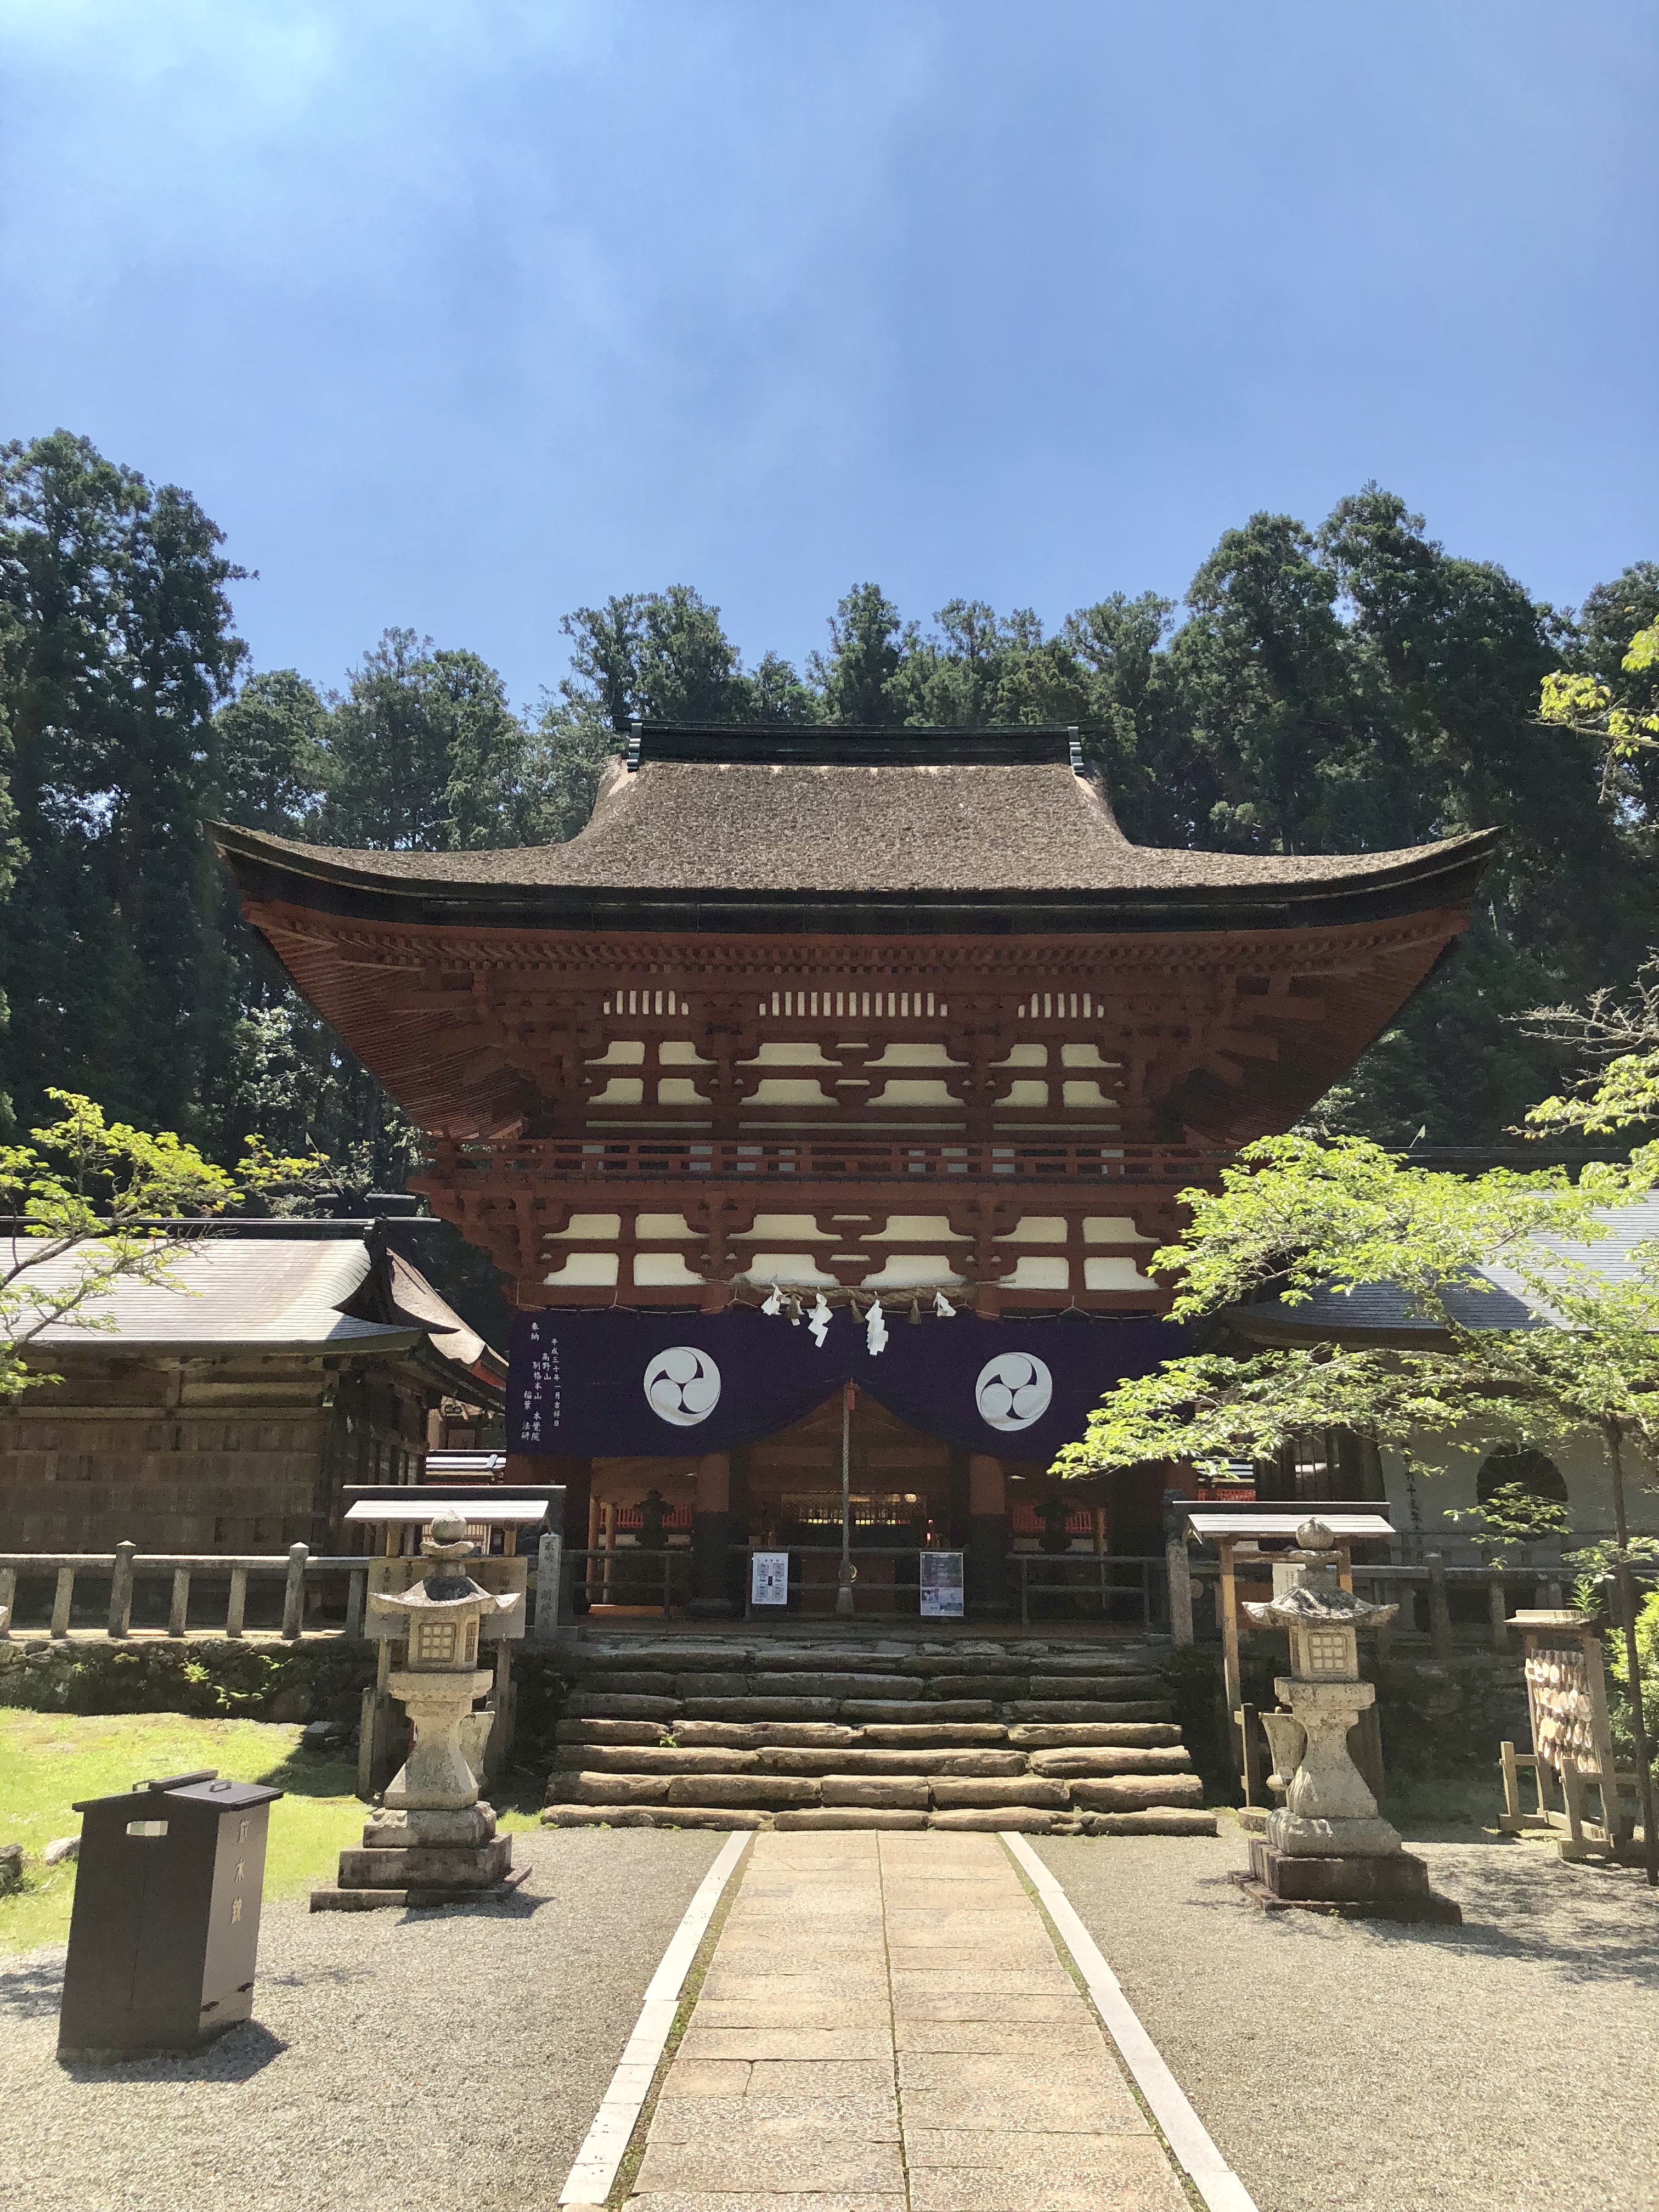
[1393, 1886]
[421, 1857]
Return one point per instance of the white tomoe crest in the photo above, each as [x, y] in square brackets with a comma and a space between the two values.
[681, 1385]
[1013, 1390]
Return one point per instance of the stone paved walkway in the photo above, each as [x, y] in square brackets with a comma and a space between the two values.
[886, 2026]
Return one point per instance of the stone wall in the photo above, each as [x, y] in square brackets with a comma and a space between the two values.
[219, 1680]
[1438, 1723]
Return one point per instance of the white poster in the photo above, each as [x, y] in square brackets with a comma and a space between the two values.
[769, 1578]
[941, 1585]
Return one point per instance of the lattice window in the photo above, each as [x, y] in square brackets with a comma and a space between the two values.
[647, 1002]
[435, 1640]
[1060, 1007]
[1328, 1652]
[881, 1005]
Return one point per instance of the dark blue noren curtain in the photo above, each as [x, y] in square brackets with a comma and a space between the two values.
[614, 1385]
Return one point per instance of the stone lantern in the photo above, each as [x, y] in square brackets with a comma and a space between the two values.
[1328, 1845]
[436, 1841]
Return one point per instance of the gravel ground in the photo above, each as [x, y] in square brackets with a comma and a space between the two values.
[1511, 2065]
[440, 2061]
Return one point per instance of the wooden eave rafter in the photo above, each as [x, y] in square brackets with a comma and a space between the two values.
[475, 1029]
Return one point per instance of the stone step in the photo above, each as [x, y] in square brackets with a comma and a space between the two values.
[773, 1793]
[604, 1705]
[892, 1712]
[1108, 1688]
[1055, 1735]
[926, 1711]
[761, 1709]
[653, 1816]
[852, 1816]
[1086, 1709]
[825, 1685]
[1133, 1793]
[1075, 1763]
[902, 1736]
[1030, 1820]
[803, 1736]
[974, 1763]
[729, 1736]
[1156, 1820]
[650, 1758]
[1022, 1819]
[591, 1731]
[654, 1760]
[1034, 1791]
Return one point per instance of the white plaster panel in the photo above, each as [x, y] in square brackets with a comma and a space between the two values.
[781, 1224]
[621, 1052]
[911, 1271]
[914, 1093]
[915, 1055]
[1024, 1055]
[1036, 1229]
[911, 1228]
[678, 1052]
[661, 1225]
[661, 1270]
[590, 1228]
[1085, 1055]
[790, 1053]
[1112, 1229]
[1034, 1274]
[1026, 1094]
[621, 1090]
[780, 1090]
[590, 1270]
[1079, 1093]
[1116, 1274]
[798, 1268]
[679, 1090]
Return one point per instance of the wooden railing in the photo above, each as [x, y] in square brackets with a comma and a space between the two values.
[815, 1160]
[126, 1564]
[295, 1570]
[1503, 1588]
[1139, 1601]
[631, 1575]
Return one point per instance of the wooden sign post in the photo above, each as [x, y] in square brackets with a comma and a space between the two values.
[1571, 1741]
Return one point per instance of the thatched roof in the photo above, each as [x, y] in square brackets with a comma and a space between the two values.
[732, 820]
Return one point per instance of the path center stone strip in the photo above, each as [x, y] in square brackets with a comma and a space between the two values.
[886, 2026]
[594, 2172]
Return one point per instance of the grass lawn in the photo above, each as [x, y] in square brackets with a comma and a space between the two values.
[49, 1760]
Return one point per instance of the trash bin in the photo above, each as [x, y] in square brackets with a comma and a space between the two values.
[166, 1926]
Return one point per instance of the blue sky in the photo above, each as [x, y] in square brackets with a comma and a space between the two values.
[459, 315]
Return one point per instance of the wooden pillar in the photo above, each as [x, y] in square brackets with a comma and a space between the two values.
[1231, 1678]
[1180, 1567]
[1440, 1626]
[567, 1517]
[990, 1535]
[961, 1498]
[712, 1537]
